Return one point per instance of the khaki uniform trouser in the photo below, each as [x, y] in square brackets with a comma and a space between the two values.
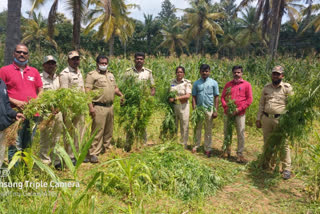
[207, 132]
[48, 139]
[103, 124]
[240, 122]
[76, 131]
[2, 147]
[268, 125]
[182, 114]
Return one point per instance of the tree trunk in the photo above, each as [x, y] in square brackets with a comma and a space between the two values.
[275, 26]
[76, 24]
[197, 45]
[111, 44]
[125, 49]
[13, 36]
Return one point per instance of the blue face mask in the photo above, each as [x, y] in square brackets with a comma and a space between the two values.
[20, 63]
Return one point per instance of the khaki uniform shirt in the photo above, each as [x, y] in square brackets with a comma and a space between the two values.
[273, 100]
[144, 75]
[104, 82]
[70, 78]
[182, 88]
[48, 83]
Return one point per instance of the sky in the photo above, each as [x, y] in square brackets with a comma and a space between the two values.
[146, 6]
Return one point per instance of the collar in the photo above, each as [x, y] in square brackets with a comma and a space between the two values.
[204, 80]
[47, 76]
[73, 70]
[18, 68]
[97, 70]
[176, 81]
[280, 85]
[237, 82]
[135, 70]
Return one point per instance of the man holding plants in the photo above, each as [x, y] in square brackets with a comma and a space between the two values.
[101, 109]
[272, 105]
[205, 93]
[7, 116]
[236, 98]
[71, 77]
[49, 136]
[182, 87]
[23, 83]
[141, 74]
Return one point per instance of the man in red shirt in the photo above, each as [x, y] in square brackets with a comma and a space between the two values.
[236, 98]
[23, 84]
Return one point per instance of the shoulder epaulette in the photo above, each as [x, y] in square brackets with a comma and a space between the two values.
[91, 72]
[268, 84]
[66, 70]
[287, 85]
[147, 69]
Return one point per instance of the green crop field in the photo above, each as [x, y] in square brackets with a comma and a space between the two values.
[163, 177]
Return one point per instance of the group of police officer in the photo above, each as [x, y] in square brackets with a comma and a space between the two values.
[205, 92]
[24, 82]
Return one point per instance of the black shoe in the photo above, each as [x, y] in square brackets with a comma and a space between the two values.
[86, 160]
[74, 161]
[58, 166]
[94, 159]
[286, 174]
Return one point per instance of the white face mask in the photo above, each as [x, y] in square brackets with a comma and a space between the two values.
[103, 67]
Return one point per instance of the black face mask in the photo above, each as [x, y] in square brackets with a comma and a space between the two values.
[276, 82]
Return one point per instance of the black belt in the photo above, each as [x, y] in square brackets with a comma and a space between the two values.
[271, 115]
[102, 104]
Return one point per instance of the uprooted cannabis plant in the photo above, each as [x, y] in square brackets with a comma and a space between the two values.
[136, 111]
[229, 119]
[168, 126]
[296, 123]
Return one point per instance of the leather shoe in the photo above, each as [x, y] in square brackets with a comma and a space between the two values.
[225, 154]
[94, 159]
[241, 159]
[58, 166]
[286, 174]
[86, 160]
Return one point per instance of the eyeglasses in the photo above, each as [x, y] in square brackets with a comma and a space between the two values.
[22, 52]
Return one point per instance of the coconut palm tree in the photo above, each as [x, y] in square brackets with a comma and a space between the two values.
[151, 28]
[75, 6]
[13, 36]
[111, 18]
[272, 12]
[315, 22]
[200, 20]
[249, 33]
[173, 40]
[36, 31]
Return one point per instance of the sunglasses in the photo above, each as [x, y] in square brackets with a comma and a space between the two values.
[22, 52]
[51, 62]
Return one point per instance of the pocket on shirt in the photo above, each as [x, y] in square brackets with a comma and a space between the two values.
[200, 88]
[101, 83]
[209, 90]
